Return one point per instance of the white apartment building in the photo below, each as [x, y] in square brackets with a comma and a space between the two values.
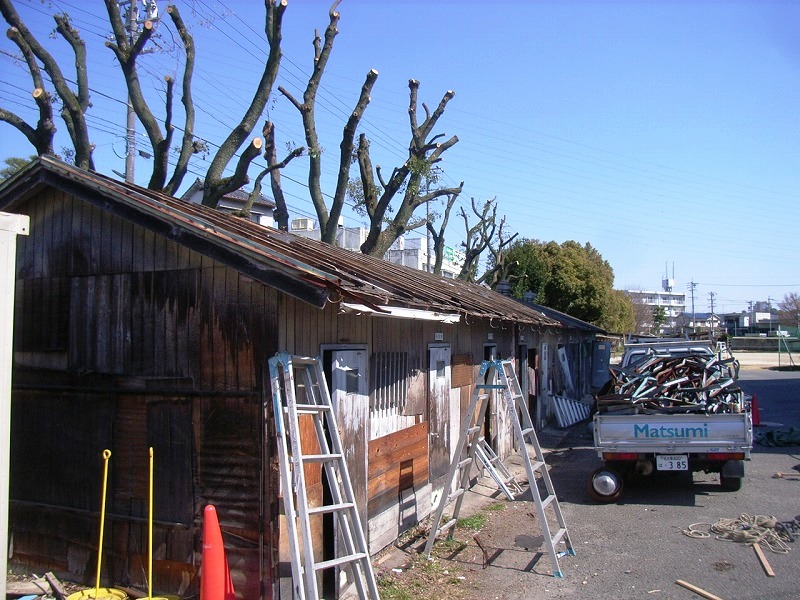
[674, 303]
[409, 251]
[413, 252]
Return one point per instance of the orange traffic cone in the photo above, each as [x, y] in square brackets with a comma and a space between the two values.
[754, 411]
[215, 576]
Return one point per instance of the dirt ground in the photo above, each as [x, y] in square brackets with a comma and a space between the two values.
[492, 533]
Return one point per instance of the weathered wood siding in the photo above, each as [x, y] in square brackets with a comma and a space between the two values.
[127, 340]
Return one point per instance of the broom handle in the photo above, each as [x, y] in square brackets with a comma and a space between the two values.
[106, 456]
[150, 533]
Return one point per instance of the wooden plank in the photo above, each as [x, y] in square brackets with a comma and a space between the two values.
[763, 559]
[697, 590]
[462, 370]
[56, 586]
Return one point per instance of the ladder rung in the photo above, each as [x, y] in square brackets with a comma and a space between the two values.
[464, 462]
[472, 430]
[320, 457]
[537, 465]
[341, 560]
[559, 534]
[329, 508]
[548, 501]
[311, 408]
[446, 526]
[527, 431]
[456, 494]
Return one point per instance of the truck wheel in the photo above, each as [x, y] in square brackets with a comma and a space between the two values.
[730, 484]
[605, 485]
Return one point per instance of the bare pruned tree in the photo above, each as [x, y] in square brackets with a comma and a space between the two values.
[438, 235]
[328, 216]
[74, 104]
[500, 268]
[478, 236]
[128, 49]
[424, 152]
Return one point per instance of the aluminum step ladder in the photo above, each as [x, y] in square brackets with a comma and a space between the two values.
[299, 388]
[507, 482]
[499, 375]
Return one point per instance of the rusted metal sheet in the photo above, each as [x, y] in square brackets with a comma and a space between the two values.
[313, 271]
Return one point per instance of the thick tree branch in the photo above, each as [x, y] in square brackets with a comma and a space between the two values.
[73, 106]
[187, 149]
[245, 127]
[322, 52]
[478, 237]
[438, 235]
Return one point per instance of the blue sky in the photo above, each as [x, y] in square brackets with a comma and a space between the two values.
[666, 134]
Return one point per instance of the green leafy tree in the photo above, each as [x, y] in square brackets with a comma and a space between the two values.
[659, 318]
[571, 278]
[12, 165]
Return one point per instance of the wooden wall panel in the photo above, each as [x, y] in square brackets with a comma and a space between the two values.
[397, 462]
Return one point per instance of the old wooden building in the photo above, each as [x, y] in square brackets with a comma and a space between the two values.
[145, 321]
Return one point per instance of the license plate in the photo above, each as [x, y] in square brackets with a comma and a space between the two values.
[672, 462]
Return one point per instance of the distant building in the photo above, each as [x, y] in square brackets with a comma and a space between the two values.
[349, 238]
[673, 303]
[262, 211]
[408, 251]
[696, 322]
[413, 252]
[757, 321]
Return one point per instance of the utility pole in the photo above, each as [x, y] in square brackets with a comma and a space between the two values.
[130, 129]
[769, 312]
[692, 286]
[711, 296]
[132, 7]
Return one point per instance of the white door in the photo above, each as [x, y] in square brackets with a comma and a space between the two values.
[439, 410]
[350, 399]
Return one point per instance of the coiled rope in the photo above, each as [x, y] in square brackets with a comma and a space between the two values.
[746, 530]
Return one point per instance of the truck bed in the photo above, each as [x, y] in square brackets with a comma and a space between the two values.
[673, 434]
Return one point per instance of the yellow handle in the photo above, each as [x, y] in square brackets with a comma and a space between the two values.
[150, 533]
[106, 457]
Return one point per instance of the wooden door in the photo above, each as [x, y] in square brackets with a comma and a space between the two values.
[439, 410]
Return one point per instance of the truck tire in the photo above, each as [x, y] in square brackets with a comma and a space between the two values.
[731, 484]
[605, 485]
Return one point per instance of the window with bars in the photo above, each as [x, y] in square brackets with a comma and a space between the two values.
[391, 371]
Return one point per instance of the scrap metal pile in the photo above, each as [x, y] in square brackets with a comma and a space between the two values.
[685, 383]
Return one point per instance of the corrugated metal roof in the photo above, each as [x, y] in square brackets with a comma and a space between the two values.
[310, 270]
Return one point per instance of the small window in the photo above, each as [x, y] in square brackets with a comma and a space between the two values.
[391, 373]
[440, 366]
[351, 381]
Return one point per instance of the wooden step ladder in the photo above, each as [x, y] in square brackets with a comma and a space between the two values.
[499, 376]
[299, 388]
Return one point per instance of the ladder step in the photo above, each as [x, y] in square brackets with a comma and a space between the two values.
[464, 462]
[548, 501]
[456, 494]
[320, 457]
[559, 534]
[446, 526]
[535, 466]
[340, 560]
[527, 431]
[472, 430]
[311, 408]
[329, 508]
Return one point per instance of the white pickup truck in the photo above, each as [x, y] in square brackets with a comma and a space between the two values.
[671, 405]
